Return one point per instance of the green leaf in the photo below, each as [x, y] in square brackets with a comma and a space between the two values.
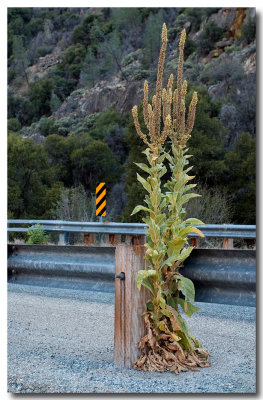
[143, 167]
[175, 245]
[162, 302]
[186, 197]
[144, 183]
[165, 312]
[186, 286]
[187, 307]
[194, 221]
[185, 253]
[140, 208]
[188, 229]
[169, 261]
[154, 231]
[142, 278]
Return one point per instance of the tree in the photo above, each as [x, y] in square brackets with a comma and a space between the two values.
[58, 150]
[32, 187]
[210, 35]
[55, 102]
[240, 177]
[39, 96]
[72, 60]
[90, 72]
[111, 51]
[93, 164]
[20, 54]
[150, 39]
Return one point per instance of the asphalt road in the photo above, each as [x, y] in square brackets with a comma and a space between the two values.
[60, 340]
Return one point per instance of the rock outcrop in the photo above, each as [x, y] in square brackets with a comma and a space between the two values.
[121, 95]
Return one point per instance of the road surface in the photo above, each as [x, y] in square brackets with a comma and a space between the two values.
[60, 340]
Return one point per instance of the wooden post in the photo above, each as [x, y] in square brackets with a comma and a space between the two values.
[61, 238]
[114, 239]
[228, 243]
[90, 239]
[129, 304]
[195, 241]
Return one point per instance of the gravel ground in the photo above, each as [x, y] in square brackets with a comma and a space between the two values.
[61, 341]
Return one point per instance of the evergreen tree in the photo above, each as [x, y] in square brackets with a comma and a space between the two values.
[20, 55]
[55, 102]
[150, 40]
[90, 72]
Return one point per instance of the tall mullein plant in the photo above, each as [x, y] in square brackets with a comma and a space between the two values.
[168, 344]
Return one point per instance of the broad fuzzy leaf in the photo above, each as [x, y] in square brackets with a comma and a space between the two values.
[144, 167]
[140, 208]
[187, 307]
[186, 286]
[142, 276]
[188, 229]
[144, 183]
[194, 221]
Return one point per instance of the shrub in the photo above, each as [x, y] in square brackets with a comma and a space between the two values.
[46, 126]
[37, 235]
[13, 125]
[43, 50]
[248, 31]
[210, 35]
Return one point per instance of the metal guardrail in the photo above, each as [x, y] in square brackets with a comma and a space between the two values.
[209, 230]
[219, 276]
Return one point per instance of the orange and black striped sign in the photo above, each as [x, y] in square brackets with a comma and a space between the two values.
[101, 199]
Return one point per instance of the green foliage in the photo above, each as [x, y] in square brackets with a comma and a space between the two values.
[223, 70]
[19, 108]
[13, 125]
[90, 71]
[240, 176]
[37, 235]
[62, 84]
[94, 163]
[46, 126]
[190, 48]
[197, 15]
[215, 206]
[42, 51]
[167, 245]
[150, 39]
[55, 102]
[32, 187]
[75, 205]
[20, 57]
[39, 96]
[73, 59]
[210, 35]
[82, 32]
[207, 144]
[106, 121]
[248, 31]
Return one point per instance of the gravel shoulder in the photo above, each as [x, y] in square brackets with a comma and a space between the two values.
[60, 340]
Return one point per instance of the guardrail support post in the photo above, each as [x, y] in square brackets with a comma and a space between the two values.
[61, 238]
[194, 241]
[90, 239]
[228, 243]
[129, 325]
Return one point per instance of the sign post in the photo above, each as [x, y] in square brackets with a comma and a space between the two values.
[101, 200]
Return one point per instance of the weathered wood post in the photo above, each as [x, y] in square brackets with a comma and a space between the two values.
[228, 243]
[129, 325]
[89, 239]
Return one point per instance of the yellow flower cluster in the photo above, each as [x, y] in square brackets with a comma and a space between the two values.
[168, 106]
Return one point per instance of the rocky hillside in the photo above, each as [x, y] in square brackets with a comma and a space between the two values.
[69, 69]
